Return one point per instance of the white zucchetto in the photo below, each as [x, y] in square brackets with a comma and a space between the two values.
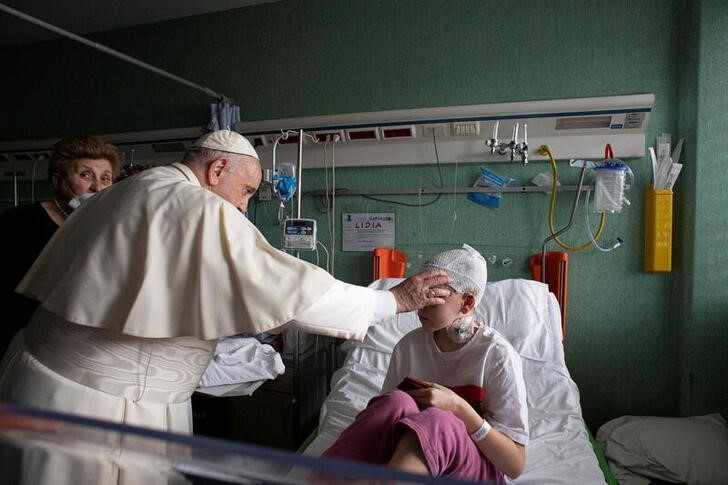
[226, 141]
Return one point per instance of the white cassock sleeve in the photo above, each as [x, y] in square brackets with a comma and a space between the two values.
[163, 257]
[346, 311]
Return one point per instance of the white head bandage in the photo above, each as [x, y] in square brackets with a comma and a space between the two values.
[466, 267]
[226, 141]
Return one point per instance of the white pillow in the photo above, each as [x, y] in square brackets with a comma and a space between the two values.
[690, 450]
[527, 315]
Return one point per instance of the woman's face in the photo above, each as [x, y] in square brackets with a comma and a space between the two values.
[436, 317]
[88, 175]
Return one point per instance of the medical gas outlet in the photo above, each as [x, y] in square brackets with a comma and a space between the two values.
[517, 149]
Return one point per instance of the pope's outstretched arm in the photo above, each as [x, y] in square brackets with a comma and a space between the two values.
[347, 311]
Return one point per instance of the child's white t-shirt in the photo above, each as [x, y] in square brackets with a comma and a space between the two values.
[487, 360]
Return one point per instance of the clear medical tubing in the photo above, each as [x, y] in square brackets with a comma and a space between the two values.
[620, 241]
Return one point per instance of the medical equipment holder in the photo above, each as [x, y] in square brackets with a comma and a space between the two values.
[521, 189]
[658, 230]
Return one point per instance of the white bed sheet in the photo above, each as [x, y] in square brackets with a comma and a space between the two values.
[528, 315]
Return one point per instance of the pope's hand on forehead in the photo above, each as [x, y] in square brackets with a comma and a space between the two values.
[421, 290]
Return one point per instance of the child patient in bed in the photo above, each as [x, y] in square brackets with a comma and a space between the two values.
[454, 400]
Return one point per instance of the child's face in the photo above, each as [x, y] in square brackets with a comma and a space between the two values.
[436, 317]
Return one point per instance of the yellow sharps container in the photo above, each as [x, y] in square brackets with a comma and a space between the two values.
[658, 230]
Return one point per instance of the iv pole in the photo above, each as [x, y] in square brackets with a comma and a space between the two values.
[297, 338]
[296, 332]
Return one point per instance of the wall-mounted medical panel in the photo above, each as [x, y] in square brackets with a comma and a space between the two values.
[574, 128]
[28, 159]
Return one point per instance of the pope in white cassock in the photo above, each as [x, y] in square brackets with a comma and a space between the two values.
[140, 282]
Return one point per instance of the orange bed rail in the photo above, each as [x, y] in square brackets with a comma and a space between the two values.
[388, 263]
[557, 272]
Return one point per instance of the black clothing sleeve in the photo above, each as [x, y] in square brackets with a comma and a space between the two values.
[26, 229]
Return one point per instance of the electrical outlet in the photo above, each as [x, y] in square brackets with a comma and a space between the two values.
[329, 136]
[439, 130]
[466, 128]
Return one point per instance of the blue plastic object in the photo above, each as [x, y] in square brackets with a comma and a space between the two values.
[285, 187]
[488, 200]
[488, 179]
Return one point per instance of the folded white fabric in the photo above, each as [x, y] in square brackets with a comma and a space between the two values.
[242, 359]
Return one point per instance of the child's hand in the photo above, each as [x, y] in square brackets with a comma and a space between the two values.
[440, 397]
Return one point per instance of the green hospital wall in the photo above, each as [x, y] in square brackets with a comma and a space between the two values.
[701, 288]
[296, 58]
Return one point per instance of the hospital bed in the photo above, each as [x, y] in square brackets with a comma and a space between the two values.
[560, 450]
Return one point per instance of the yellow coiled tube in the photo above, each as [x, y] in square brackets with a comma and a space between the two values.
[544, 150]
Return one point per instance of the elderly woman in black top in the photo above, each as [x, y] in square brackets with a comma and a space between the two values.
[78, 167]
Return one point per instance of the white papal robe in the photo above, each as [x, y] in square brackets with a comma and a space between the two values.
[137, 286]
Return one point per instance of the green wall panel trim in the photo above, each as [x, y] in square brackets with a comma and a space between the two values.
[631, 330]
[706, 328]
[685, 232]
